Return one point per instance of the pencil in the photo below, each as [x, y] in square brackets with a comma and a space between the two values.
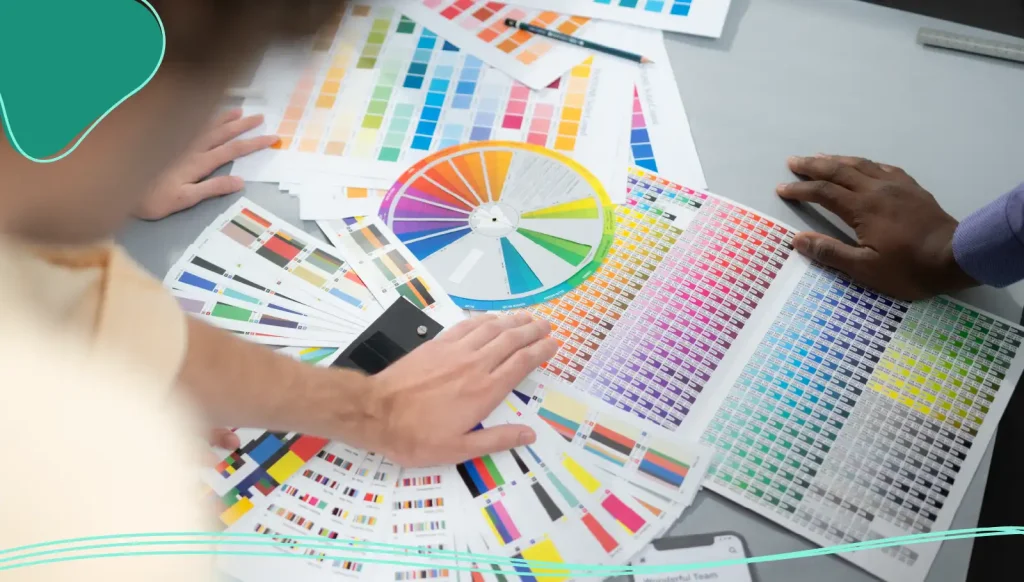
[511, 22]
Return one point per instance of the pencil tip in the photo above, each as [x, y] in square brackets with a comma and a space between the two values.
[646, 60]
[510, 22]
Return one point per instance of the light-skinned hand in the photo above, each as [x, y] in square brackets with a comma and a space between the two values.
[905, 239]
[185, 184]
[422, 409]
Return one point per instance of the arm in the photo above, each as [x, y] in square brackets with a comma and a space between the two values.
[453, 381]
[989, 244]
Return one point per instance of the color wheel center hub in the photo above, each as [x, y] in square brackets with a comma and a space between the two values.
[494, 219]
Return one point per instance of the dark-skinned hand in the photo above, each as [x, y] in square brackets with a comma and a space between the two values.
[904, 238]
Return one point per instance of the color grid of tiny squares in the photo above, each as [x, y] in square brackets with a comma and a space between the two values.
[388, 126]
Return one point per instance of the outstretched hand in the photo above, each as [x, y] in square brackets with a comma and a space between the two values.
[905, 239]
[423, 409]
[185, 184]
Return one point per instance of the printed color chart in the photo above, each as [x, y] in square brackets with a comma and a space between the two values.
[502, 224]
[860, 417]
[263, 462]
[479, 27]
[700, 17]
[389, 92]
[662, 471]
[390, 269]
[546, 496]
[659, 127]
[838, 412]
[648, 343]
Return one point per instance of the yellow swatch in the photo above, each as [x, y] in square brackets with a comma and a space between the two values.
[236, 511]
[545, 551]
[581, 475]
[285, 467]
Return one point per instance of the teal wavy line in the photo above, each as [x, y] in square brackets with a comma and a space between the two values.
[74, 146]
[561, 567]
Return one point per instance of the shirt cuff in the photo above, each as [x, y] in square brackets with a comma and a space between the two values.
[988, 244]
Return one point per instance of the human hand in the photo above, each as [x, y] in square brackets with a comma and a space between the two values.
[184, 186]
[905, 239]
[422, 410]
[224, 438]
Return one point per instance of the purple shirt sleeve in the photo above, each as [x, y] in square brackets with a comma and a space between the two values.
[989, 244]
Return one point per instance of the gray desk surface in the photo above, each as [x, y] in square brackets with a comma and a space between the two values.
[801, 77]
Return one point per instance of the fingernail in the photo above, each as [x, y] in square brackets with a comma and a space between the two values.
[821, 155]
[526, 437]
[781, 188]
[802, 244]
[793, 160]
[238, 182]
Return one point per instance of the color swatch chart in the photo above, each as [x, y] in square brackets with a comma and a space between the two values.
[337, 202]
[342, 494]
[502, 224]
[546, 500]
[390, 269]
[295, 252]
[861, 417]
[479, 28]
[659, 127]
[390, 91]
[254, 471]
[663, 472]
[648, 330]
[699, 17]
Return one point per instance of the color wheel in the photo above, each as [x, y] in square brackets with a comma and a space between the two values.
[500, 224]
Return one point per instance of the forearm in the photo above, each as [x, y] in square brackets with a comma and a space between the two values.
[236, 383]
[989, 244]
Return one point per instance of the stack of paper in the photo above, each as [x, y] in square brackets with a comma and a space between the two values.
[564, 499]
[387, 83]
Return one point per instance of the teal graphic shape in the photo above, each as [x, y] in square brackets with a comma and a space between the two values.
[65, 65]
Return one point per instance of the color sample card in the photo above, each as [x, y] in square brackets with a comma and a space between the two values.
[316, 356]
[389, 268]
[842, 414]
[244, 478]
[244, 319]
[682, 279]
[479, 28]
[661, 471]
[545, 500]
[699, 17]
[341, 502]
[387, 92]
[335, 203]
[424, 515]
[254, 244]
[659, 126]
[860, 417]
[502, 224]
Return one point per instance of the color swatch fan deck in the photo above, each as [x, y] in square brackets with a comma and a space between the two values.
[502, 224]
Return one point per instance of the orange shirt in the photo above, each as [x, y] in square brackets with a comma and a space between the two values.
[95, 442]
